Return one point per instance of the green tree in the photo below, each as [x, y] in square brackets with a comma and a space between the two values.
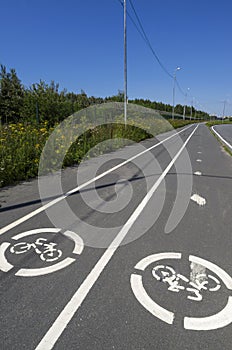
[11, 95]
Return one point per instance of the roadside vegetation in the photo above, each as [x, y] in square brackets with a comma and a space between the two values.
[29, 115]
[219, 122]
[21, 146]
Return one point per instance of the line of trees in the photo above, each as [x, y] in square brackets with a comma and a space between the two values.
[42, 101]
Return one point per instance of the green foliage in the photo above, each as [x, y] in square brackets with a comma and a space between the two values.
[11, 96]
[44, 102]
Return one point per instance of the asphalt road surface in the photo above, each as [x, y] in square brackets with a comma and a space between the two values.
[225, 131]
[137, 257]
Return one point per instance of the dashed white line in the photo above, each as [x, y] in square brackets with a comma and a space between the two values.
[199, 160]
[198, 199]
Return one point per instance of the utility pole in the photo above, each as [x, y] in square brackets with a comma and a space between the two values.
[224, 107]
[185, 101]
[191, 114]
[173, 91]
[125, 66]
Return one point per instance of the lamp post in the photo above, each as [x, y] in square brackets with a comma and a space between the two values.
[185, 101]
[173, 95]
[125, 66]
[191, 114]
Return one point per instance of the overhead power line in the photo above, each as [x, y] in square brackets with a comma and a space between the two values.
[139, 27]
[148, 41]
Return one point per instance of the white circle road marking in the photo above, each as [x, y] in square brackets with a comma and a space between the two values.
[219, 320]
[5, 266]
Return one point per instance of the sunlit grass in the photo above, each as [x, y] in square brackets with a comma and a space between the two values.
[21, 145]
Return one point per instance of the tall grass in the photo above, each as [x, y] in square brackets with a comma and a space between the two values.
[21, 145]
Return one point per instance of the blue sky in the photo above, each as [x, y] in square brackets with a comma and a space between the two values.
[79, 44]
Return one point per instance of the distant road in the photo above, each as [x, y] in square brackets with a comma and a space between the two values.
[225, 131]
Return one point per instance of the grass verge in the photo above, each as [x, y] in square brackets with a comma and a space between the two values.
[21, 145]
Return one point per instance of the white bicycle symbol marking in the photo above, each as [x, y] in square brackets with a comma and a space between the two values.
[177, 282]
[46, 251]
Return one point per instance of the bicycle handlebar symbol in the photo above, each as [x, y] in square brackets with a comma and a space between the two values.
[46, 251]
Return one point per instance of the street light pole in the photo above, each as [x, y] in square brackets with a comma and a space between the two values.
[125, 66]
[173, 93]
[185, 101]
[224, 107]
[191, 115]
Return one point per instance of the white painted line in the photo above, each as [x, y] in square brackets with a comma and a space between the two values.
[79, 245]
[57, 200]
[199, 152]
[144, 263]
[149, 304]
[219, 320]
[199, 160]
[198, 199]
[45, 270]
[35, 232]
[221, 138]
[73, 305]
[227, 280]
[198, 173]
[4, 265]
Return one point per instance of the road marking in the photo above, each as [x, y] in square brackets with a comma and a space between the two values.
[218, 320]
[45, 270]
[199, 160]
[60, 198]
[198, 199]
[5, 266]
[149, 304]
[199, 152]
[220, 137]
[59, 325]
[225, 277]
[198, 173]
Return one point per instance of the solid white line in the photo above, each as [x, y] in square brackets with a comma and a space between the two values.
[220, 137]
[57, 200]
[73, 305]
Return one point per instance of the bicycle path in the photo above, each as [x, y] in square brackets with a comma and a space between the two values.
[113, 313]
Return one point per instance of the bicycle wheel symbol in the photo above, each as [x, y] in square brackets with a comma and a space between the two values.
[48, 254]
[218, 320]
